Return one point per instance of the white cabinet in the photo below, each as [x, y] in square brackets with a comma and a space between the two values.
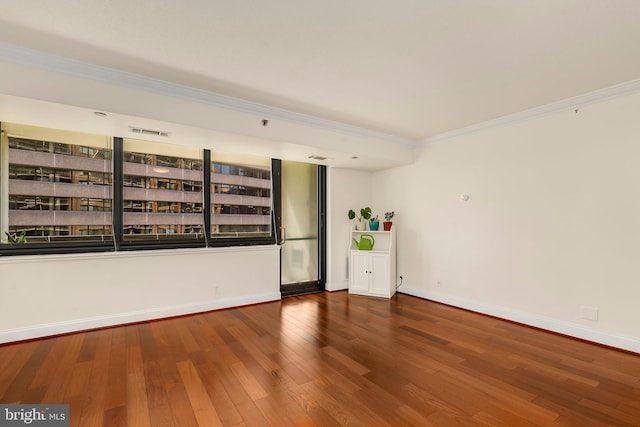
[373, 272]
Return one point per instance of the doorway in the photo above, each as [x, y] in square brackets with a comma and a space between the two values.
[300, 221]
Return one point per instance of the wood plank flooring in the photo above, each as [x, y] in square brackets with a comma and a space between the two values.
[326, 359]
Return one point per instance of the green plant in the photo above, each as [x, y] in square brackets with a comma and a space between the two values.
[388, 216]
[365, 213]
[16, 238]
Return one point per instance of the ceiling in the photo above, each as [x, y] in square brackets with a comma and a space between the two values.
[413, 69]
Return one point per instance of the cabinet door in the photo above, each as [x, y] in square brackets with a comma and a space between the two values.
[359, 276]
[380, 283]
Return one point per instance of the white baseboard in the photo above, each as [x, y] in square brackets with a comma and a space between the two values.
[39, 331]
[576, 331]
[337, 286]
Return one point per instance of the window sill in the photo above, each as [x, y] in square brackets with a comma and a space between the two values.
[131, 254]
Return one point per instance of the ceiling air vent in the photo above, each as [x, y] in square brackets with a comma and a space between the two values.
[148, 131]
[314, 157]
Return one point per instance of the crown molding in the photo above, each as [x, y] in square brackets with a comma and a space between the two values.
[59, 64]
[617, 91]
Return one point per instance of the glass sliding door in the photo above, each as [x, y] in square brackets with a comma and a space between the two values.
[302, 228]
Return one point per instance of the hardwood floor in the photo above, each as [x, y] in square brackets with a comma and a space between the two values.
[326, 359]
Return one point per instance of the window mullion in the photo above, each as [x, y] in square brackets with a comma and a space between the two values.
[117, 210]
[4, 184]
[206, 188]
[276, 198]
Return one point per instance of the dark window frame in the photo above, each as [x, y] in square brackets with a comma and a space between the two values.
[148, 242]
[56, 246]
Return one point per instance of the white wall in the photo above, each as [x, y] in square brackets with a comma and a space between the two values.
[52, 294]
[45, 295]
[347, 189]
[552, 224]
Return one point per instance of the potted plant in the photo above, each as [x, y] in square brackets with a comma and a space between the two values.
[16, 238]
[388, 216]
[365, 213]
[374, 223]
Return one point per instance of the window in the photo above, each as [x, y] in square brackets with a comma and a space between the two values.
[64, 191]
[162, 195]
[29, 144]
[48, 201]
[240, 196]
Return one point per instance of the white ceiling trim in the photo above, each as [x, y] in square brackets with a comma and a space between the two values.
[46, 61]
[617, 91]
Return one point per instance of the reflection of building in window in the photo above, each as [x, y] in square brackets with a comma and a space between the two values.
[59, 184]
[43, 203]
[241, 197]
[162, 190]
[161, 160]
[60, 187]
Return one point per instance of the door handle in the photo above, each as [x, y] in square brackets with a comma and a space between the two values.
[283, 235]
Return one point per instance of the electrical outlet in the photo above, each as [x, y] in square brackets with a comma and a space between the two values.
[439, 284]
